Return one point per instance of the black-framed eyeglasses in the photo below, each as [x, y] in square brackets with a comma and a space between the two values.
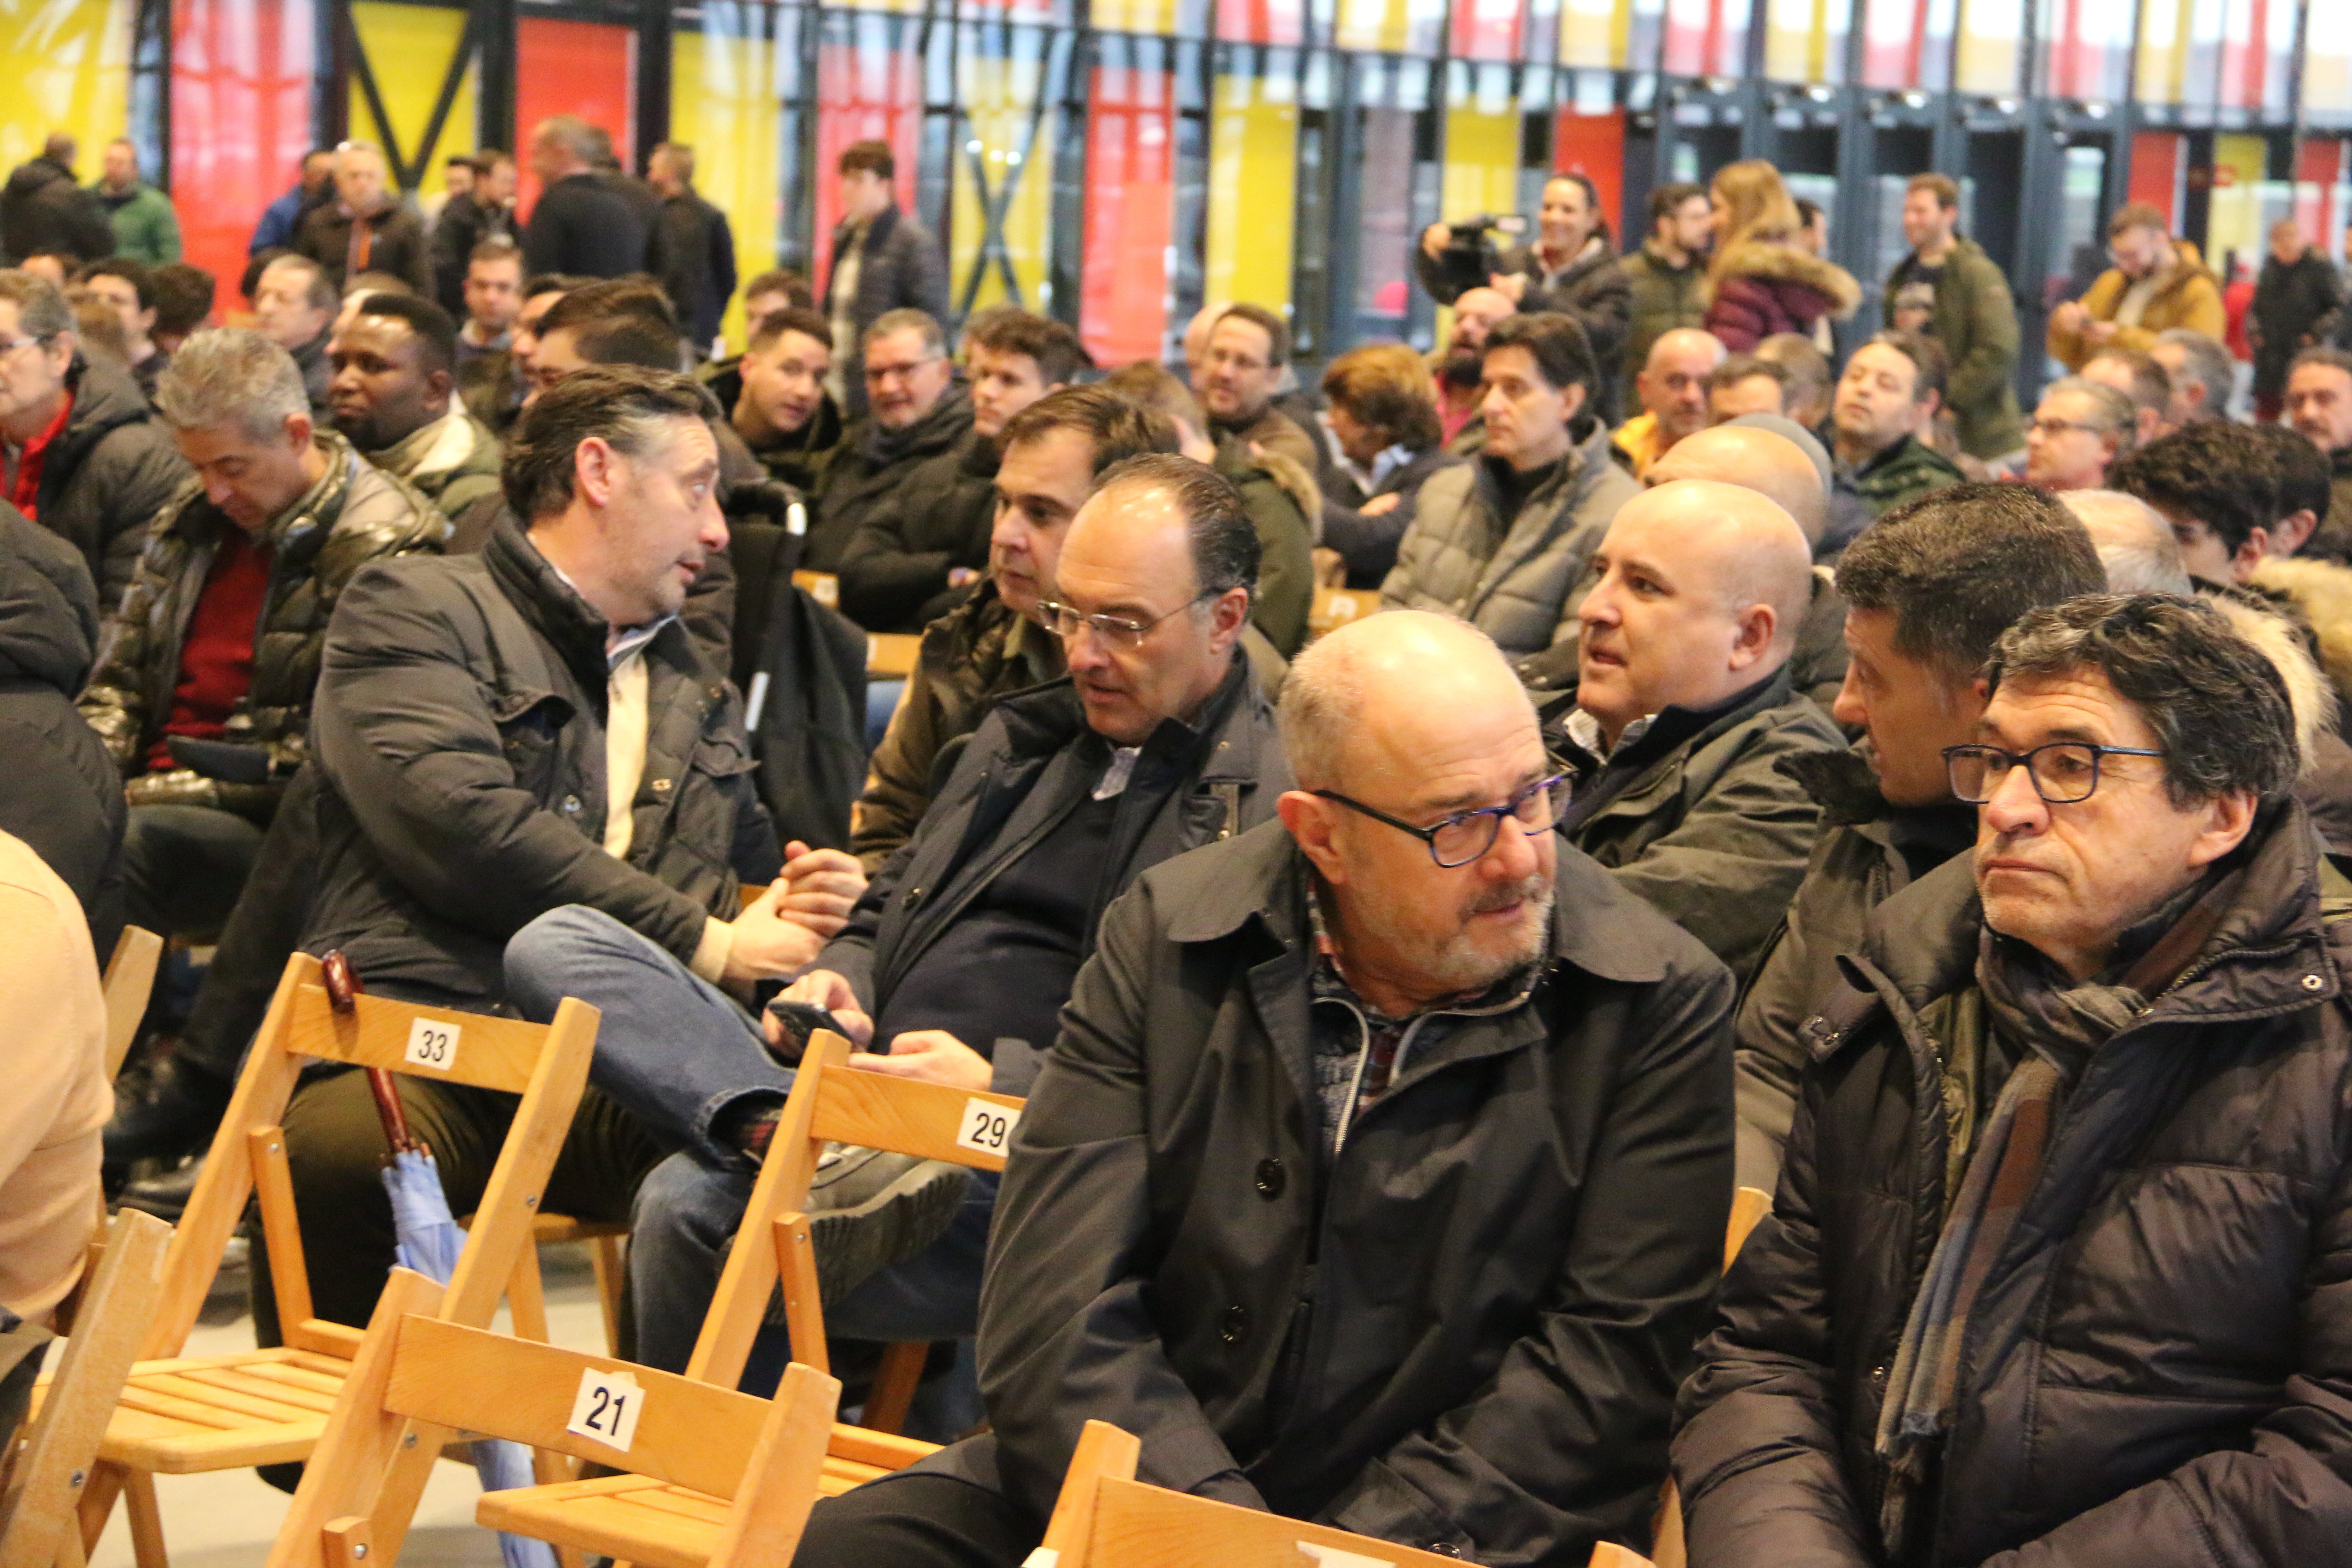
[39, 340]
[1118, 631]
[2062, 771]
[1458, 839]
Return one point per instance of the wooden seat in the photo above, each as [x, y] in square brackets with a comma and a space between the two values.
[1332, 608]
[179, 1415]
[1105, 1518]
[707, 1471]
[50, 1467]
[130, 980]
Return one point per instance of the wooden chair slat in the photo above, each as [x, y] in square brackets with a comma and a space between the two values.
[897, 1114]
[610, 1527]
[490, 1052]
[1141, 1526]
[130, 980]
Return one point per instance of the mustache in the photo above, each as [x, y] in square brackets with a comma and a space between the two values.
[1527, 890]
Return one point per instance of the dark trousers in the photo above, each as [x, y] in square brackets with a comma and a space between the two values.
[918, 1521]
[335, 1145]
[184, 866]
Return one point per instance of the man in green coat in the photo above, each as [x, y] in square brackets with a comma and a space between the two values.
[1972, 317]
[1889, 393]
[145, 227]
[1665, 274]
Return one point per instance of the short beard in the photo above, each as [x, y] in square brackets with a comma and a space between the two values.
[1462, 368]
[1458, 967]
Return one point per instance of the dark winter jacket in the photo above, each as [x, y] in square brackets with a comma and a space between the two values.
[41, 209]
[1592, 288]
[353, 515]
[585, 226]
[2293, 308]
[2158, 1371]
[398, 247]
[893, 570]
[464, 223]
[1696, 816]
[1663, 297]
[109, 477]
[899, 266]
[1866, 853]
[862, 479]
[1765, 287]
[1903, 473]
[460, 737]
[693, 255]
[1975, 321]
[1283, 505]
[1463, 1329]
[59, 792]
[1368, 546]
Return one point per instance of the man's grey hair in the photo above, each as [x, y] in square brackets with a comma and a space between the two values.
[572, 134]
[2219, 708]
[319, 293]
[2209, 364]
[41, 308]
[231, 376]
[1322, 692]
[2113, 412]
[906, 318]
[2136, 544]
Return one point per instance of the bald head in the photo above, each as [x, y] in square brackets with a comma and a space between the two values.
[2135, 542]
[1673, 381]
[1771, 465]
[1378, 697]
[1698, 593]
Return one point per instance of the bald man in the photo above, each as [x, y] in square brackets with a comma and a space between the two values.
[1672, 386]
[1379, 1173]
[1684, 706]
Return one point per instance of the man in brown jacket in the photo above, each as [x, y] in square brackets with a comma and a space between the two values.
[2156, 283]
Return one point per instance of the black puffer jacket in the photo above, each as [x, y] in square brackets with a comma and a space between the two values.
[355, 514]
[893, 570]
[42, 209]
[1592, 287]
[2158, 1373]
[862, 479]
[460, 737]
[111, 475]
[58, 792]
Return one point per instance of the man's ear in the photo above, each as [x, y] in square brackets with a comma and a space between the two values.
[298, 431]
[2250, 554]
[597, 465]
[438, 384]
[1752, 635]
[2227, 819]
[1929, 406]
[1575, 397]
[1227, 616]
[1311, 820]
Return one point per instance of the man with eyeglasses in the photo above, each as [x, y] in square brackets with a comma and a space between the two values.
[2079, 431]
[954, 965]
[1684, 709]
[916, 410]
[2057, 1269]
[1379, 1173]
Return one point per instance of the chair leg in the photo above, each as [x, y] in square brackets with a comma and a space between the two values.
[97, 1505]
[894, 1387]
[526, 1299]
[146, 1521]
[605, 1252]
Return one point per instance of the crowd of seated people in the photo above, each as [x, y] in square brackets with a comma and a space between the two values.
[1742, 764]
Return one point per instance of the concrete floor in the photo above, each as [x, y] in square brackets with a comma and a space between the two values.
[228, 1520]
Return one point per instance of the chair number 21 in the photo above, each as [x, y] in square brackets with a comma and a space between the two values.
[605, 1409]
[433, 1044]
[987, 1127]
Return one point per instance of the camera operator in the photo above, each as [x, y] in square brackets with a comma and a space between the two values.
[1570, 268]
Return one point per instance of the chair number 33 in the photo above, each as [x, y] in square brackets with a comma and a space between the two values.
[433, 1044]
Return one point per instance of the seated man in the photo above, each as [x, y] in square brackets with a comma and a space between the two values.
[2305, 488]
[1241, 373]
[1383, 417]
[1458, 365]
[780, 406]
[80, 452]
[1674, 392]
[1886, 399]
[910, 561]
[493, 298]
[2143, 380]
[1158, 741]
[1379, 1171]
[2080, 430]
[2202, 372]
[1502, 541]
[2055, 1272]
[1683, 711]
[1928, 591]
[508, 732]
[203, 691]
[995, 642]
[294, 305]
[394, 399]
[916, 411]
[2217, 484]
[1746, 385]
[128, 288]
[1810, 386]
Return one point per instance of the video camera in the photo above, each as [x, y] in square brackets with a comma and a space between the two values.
[1470, 258]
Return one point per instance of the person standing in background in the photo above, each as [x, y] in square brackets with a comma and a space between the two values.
[693, 251]
[2296, 303]
[365, 228]
[145, 228]
[582, 225]
[42, 210]
[883, 261]
[472, 217]
[1970, 316]
[1663, 275]
[1765, 277]
[282, 218]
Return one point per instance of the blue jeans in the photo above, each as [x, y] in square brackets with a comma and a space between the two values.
[677, 1053]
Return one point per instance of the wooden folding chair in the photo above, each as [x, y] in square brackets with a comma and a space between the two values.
[130, 980]
[1749, 1208]
[1105, 1518]
[834, 1102]
[50, 1467]
[185, 1415]
[703, 1470]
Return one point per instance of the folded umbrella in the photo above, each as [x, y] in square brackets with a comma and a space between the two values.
[428, 1240]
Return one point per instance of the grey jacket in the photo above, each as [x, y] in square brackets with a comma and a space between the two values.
[901, 265]
[1697, 818]
[1511, 582]
[1461, 1330]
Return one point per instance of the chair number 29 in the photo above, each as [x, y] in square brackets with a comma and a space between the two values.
[987, 1127]
[605, 1409]
[433, 1044]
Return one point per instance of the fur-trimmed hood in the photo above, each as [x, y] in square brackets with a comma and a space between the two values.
[1296, 482]
[1788, 263]
[2322, 591]
[2277, 639]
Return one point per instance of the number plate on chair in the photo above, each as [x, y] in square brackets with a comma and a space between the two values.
[433, 1044]
[987, 1127]
[605, 1409]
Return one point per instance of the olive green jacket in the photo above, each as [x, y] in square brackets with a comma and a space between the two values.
[1976, 323]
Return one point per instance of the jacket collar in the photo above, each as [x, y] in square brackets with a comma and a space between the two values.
[1046, 720]
[553, 608]
[939, 428]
